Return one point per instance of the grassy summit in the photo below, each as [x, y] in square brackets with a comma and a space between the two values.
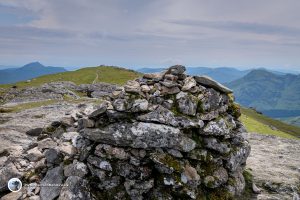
[108, 74]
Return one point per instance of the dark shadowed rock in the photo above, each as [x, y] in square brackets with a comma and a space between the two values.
[35, 132]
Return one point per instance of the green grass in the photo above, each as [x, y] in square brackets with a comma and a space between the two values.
[108, 74]
[255, 122]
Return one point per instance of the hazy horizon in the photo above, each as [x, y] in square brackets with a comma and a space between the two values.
[158, 33]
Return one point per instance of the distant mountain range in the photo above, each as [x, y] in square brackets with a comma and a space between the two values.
[221, 74]
[277, 96]
[29, 71]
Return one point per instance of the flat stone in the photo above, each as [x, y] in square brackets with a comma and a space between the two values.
[53, 176]
[140, 135]
[76, 169]
[209, 82]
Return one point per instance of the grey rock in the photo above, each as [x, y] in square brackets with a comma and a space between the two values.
[77, 189]
[34, 155]
[187, 104]
[109, 183]
[169, 90]
[140, 105]
[132, 87]
[53, 176]
[85, 123]
[189, 83]
[53, 156]
[187, 123]
[110, 152]
[136, 189]
[238, 157]
[255, 189]
[218, 178]
[216, 128]
[214, 144]
[121, 105]
[100, 110]
[209, 82]
[176, 70]
[159, 115]
[35, 132]
[100, 163]
[140, 135]
[76, 169]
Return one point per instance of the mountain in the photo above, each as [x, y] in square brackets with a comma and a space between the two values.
[275, 95]
[220, 74]
[28, 71]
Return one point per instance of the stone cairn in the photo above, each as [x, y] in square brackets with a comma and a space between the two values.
[163, 136]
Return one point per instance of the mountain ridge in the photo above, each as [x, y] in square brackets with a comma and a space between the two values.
[28, 71]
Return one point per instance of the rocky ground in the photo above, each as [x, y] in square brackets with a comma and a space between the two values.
[275, 165]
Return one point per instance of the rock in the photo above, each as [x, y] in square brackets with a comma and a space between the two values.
[77, 189]
[7, 172]
[46, 144]
[140, 105]
[187, 123]
[218, 178]
[132, 87]
[238, 157]
[189, 83]
[104, 150]
[136, 189]
[53, 156]
[207, 81]
[214, 144]
[159, 115]
[68, 136]
[145, 88]
[169, 90]
[255, 189]
[67, 149]
[176, 70]
[76, 169]
[12, 196]
[140, 135]
[85, 123]
[34, 155]
[53, 176]
[121, 105]
[187, 104]
[190, 176]
[100, 163]
[35, 132]
[216, 128]
[100, 110]
[155, 76]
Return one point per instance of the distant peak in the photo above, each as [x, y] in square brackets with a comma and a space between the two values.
[33, 64]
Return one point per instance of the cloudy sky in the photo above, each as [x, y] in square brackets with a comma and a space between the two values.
[151, 33]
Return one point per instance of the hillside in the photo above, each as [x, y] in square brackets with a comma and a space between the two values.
[277, 96]
[255, 122]
[29, 71]
[220, 74]
[108, 74]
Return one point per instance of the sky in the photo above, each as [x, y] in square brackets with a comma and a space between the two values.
[151, 33]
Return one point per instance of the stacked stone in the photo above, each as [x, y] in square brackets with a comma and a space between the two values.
[167, 136]
[162, 136]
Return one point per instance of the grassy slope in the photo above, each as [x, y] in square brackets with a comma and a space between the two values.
[255, 122]
[106, 74]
